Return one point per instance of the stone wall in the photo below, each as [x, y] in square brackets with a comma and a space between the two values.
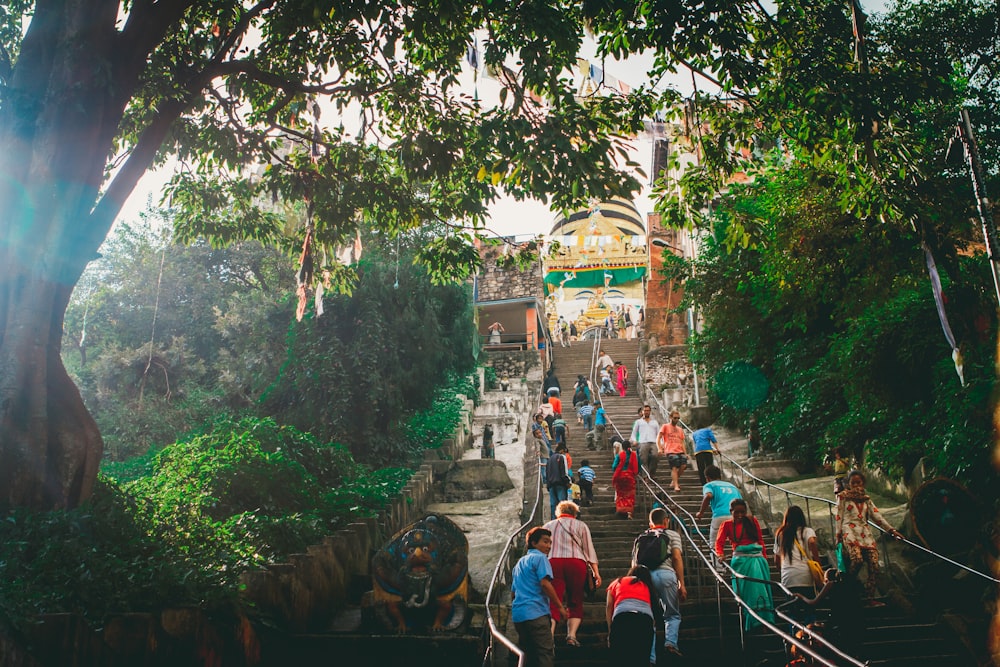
[514, 364]
[670, 375]
[496, 283]
[662, 326]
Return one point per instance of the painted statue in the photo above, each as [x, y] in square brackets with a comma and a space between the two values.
[421, 576]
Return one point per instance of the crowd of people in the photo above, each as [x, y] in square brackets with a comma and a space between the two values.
[550, 579]
[549, 588]
[623, 321]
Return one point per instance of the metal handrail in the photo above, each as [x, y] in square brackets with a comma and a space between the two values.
[495, 634]
[515, 338]
[832, 505]
[744, 606]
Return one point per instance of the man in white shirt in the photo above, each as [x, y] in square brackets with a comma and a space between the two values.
[603, 360]
[644, 432]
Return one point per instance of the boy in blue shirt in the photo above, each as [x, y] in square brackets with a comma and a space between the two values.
[597, 439]
[719, 494]
[531, 583]
[586, 413]
[587, 476]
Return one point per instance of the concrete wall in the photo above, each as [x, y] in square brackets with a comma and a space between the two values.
[531, 471]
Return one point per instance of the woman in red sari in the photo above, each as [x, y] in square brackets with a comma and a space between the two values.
[624, 469]
[621, 378]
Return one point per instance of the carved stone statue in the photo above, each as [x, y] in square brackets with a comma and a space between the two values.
[421, 576]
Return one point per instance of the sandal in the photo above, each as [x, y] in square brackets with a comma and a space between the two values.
[571, 641]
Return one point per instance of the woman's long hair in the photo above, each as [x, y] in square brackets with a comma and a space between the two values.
[749, 527]
[793, 522]
[627, 453]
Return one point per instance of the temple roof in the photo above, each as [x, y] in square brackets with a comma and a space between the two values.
[616, 216]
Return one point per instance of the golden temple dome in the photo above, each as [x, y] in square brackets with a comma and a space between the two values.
[615, 216]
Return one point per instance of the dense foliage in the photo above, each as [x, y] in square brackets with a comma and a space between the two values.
[183, 525]
[164, 336]
[837, 313]
[352, 114]
[357, 373]
[814, 270]
[160, 336]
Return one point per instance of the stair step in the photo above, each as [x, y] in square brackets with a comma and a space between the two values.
[893, 640]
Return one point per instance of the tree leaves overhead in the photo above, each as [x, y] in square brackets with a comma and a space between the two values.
[353, 107]
[876, 120]
[837, 313]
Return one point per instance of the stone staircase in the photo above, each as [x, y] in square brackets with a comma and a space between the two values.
[710, 622]
[613, 535]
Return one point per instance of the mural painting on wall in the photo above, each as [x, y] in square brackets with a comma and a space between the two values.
[599, 264]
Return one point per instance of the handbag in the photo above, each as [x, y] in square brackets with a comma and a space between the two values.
[815, 569]
[590, 585]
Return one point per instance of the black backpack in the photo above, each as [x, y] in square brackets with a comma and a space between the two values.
[651, 549]
[555, 471]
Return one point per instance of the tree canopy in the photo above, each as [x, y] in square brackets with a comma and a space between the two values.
[93, 93]
[816, 271]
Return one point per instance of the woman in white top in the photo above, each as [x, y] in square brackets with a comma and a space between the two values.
[794, 542]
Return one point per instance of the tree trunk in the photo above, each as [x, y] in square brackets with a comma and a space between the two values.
[62, 108]
[50, 447]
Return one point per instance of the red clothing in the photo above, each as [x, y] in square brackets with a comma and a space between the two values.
[739, 536]
[621, 375]
[628, 588]
[569, 575]
[556, 404]
[623, 480]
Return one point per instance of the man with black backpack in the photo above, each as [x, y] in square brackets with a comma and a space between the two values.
[557, 478]
[659, 549]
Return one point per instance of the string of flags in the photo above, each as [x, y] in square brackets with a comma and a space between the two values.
[595, 79]
[598, 240]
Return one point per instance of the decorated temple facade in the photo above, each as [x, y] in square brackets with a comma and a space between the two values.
[598, 263]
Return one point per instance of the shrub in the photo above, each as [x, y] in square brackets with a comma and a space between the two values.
[184, 522]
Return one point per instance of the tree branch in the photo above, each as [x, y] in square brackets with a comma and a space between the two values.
[694, 70]
[139, 160]
[231, 67]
